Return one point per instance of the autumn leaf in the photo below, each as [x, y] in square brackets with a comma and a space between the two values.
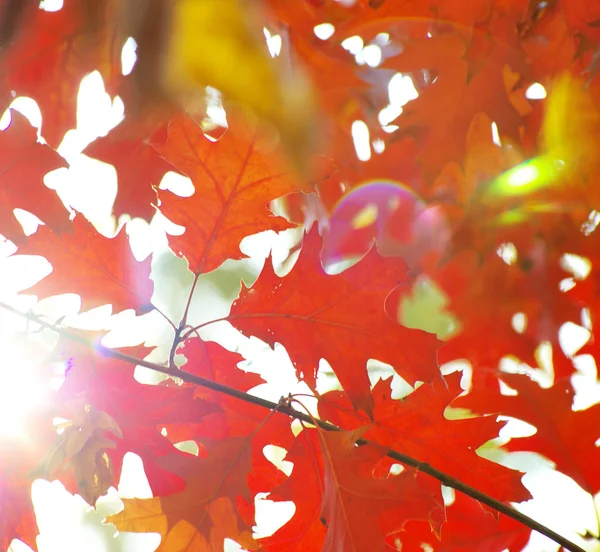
[21, 181]
[565, 436]
[465, 189]
[211, 361]
[359, 510]
[19, 459]
[468, 526]
[213, 484]
[141, 411]
[69, 44]
[18, 521]
[417, 426]
[304, 486]
[99, 269]
[234, 178]
[239, 66]
[140, 168]
[446, 107]
[82, 446]
[343, 320]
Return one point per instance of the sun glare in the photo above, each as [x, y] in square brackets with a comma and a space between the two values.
[23, 388]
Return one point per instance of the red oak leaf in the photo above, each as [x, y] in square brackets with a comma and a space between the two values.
[19, 458]
[361, 510]
[234, 179]
[305, 531]
[468, 527]
[18, 519]
[339, 318]
[69, 44]
[139, 167]
[340, 503]
[234, 417]
[101, 270]
[416, 425]
[24, 162]
[140, 410]
[216, 364]
[445, 107]
[564, 436]
[211, 361]
[215, 485]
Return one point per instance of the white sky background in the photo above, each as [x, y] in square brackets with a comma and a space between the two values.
[66, 522]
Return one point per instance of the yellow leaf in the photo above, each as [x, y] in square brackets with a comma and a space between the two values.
[219, 43]
[184, 538]
[141, 515]
[571, 124]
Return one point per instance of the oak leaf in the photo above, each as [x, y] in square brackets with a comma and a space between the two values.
[140, 410]
[360, 510]
[24, 163]
[234, 178]
[101, 270]
[69, 43]
[339, 318]
[304, 486]
[82, 446]
[468, 526]
[214, 482]
[417, 426]
[140, 168]
[446, 107]
[565, 436]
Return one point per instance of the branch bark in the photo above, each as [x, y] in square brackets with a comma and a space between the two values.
[283, 408]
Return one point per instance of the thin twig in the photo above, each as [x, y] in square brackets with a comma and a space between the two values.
[169, 321]
[177, 338]
[284, 408]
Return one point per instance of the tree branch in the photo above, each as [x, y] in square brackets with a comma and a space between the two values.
[287, 410]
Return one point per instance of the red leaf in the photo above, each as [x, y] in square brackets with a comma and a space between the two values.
[18, 519]
[211, 361]
[360, 510]
[99, 269]
[468, 528]
[305, 531]
[213, 484]
[564, 436]
[339, 318]
[67, 45]
[24, 162]
[416, 425]
[217, 499]
[446, 107]
[140, 168]
[19, 458]
[234, 179]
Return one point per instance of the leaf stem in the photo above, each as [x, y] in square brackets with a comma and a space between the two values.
[286, 409]
[177, 338]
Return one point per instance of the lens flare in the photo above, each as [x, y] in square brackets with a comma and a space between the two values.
[386, 212]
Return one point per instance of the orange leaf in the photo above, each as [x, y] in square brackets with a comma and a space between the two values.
[564, 436]
[234, 178]
[213, 485]
[53, 51]
[99, 269]
[360, 510]
[339, 318]
[24, 163]
[416, 425]
[140, 168]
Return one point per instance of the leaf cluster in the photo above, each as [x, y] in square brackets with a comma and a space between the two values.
[473, 190]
